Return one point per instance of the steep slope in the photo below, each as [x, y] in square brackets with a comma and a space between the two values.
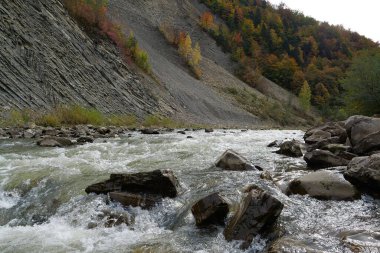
[205, 98]
[46, 60]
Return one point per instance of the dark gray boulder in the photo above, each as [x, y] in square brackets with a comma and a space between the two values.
[149, 131]
[231, 160]
[358, 127]
[257, 213]
[291, 148]
[323, 159]
[368, 144]
[364, 172]
[212, 209]
[158, 182]
[209, 130]
[324, 184]
[85, 139]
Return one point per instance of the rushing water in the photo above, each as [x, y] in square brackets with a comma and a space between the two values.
[43, 206]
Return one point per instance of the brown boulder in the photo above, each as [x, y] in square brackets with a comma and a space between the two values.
[291, 148]
[212, 209]
[144, 201]
[358, 127]
[324, 159]
[368, 144]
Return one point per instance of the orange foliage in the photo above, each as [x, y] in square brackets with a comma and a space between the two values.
[207, 20]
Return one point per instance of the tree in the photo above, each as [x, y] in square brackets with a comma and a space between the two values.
[207, 20]
[184, 47]
[305, 96]
[196, 55]
[362, 84]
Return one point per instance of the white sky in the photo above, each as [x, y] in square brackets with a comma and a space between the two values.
[362, 16]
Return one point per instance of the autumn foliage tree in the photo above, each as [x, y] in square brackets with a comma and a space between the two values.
[305, 96]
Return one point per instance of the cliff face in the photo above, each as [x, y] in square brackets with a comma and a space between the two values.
[46, 60]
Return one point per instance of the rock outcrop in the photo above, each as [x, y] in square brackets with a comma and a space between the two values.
[326, 185]
[212, 209]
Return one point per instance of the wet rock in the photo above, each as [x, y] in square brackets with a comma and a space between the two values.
[209, 130]
[190, 137]
[266, 175]
[290, 245]
[160, 182]
[364, 172]
[326, 185]
[149, 131]
[85, 139]
[362, 241]
[212, 209]
[181, 132]
[231, 160]
[291, 148]
[54, 142]
[324, 159]
[257, 213]
[275, 144]
[368, 144]
[144, 201]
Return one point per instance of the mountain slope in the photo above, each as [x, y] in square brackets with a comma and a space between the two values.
[46, 60]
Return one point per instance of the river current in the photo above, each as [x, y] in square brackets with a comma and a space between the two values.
[43, 206]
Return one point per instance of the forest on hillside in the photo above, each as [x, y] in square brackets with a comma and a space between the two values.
[293, 50]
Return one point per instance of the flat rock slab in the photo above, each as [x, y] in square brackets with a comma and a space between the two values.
[212, 209]
[257, 213]
[231, 160]
[159, 182]
[326, 185]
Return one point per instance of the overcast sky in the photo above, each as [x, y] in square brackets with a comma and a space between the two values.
[362, 16]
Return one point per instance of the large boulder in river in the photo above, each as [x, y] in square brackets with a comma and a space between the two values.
[290, 245]
[231, 160]
[324, 184]
[157, 182]
[326, 131]
[323, 159]
[212, 209]
[368, 144]
[257, 213]
[55, 142]
[359, 127]
[291, 148]
[365, 173]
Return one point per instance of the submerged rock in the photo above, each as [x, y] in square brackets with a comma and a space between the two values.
[149, 131]
[257, 213]
[326, 185]
[158, 182]
[209, 130]
[144, 201]
[324, 159]
[291, 148]
[212, 209]
[275, 144]
[290, 245]
[365, 173]
[55, 142]
[361, 241]
[85, 139]
[231, 160]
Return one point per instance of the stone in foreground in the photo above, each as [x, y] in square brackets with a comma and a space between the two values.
[324, 159]
[325, 185]
[290, 245]
[159, 182]
[364, 172]
[231, 160]
[257, 213]
[212, 209]
[291, 148]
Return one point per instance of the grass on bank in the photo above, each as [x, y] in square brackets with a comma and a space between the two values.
[78, 115]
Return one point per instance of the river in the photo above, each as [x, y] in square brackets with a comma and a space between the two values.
[43, 206]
